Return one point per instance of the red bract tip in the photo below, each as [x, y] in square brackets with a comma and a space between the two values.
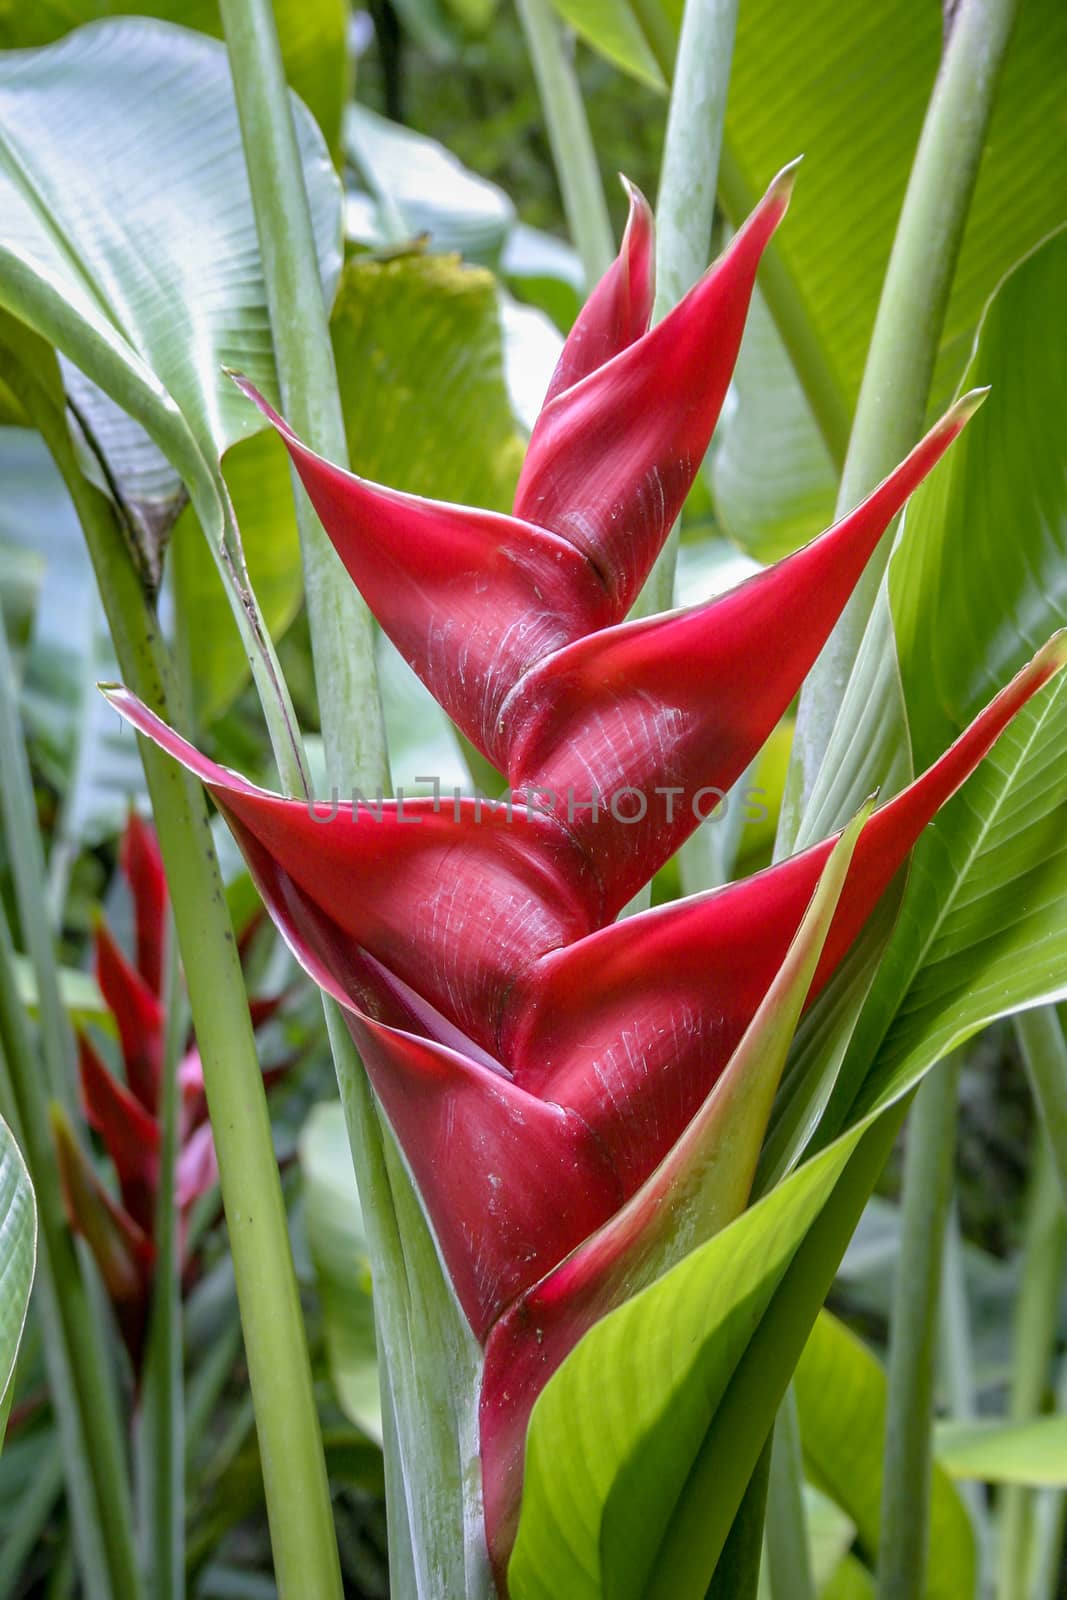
[143, 866]
[139, 1016]
[612, 458]
[130, 1134]
[620, 307]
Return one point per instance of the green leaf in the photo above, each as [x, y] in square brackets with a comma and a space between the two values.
[855, 110]
[18, 1249]
[612, 27]
[841, 1399]
[80, 993]
[420, 356]
[981, 931]
[607, 1462]
[338, 1247]
[1029, 1453]
[313, 36]
[414, 186]
[128, 241]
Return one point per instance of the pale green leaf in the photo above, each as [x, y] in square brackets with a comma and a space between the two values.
[312, 34]
[129, 242]
[18, 1249]
[1031, 1453]
[414, 185]
[612, 27]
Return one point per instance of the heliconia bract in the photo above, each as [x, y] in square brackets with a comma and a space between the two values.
[545, 1068]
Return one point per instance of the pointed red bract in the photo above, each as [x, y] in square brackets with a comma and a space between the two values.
[620, 307]
[143, 865]
[612, 458]
[129, 1132]
[452, 898]
[138, 1014]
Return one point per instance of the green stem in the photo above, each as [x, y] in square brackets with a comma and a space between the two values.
[891, 408]
[1044, 1054]
[1033, 1347]
[25, 1107]
[568, 134]
[160, 1422]
[956, 1362]
[931, 1147]
[787, 1543]
[437, 1451]
[297, 1492]
[342, 632]
[685, 203]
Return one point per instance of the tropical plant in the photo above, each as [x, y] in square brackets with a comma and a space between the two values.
[618, 1074]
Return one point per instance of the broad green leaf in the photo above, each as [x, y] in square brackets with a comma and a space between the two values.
[413, 186]
[312, 33]
[848, 87]
[613, 28]
[128, 241]
[607, 1461]
[1031, 1453]
[977, 581]
[338, 1246]
[419, 356]
[841, 1399]
[850, 1581]
[18, 1248]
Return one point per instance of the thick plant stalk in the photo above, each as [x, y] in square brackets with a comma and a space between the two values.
[685, 202]
[1033, 1347]
[342, 643]
[904, 1532]
[342, 633]
[297, 1493]
[568, 134]
[904, 344]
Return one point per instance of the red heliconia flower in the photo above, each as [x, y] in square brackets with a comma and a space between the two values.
[547, 1070]
[125, 1115]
